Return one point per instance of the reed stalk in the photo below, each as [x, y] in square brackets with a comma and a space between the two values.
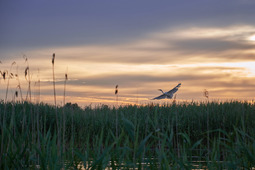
[177, 132]
[28, 78]
[116, 114]
[37, 116]
[72, 138]
[22, 101]
[64, 116]
[5, 104]
[55, 101]
[208, 133]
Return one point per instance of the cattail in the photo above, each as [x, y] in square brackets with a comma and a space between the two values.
[116, 93]
[55, 100]
[53, 58]
[16, 93]
[66, 77]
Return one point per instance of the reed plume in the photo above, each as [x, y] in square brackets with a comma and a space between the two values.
[206, 93]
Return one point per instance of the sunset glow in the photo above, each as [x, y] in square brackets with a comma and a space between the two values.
[252, 38]
[103, 47]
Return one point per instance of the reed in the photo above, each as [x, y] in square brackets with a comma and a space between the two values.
[90, 137]
[28, 78]
[54, 83]
[5, 104]
[55, 102]
[64, 116]
[206, 135]
[116, 94]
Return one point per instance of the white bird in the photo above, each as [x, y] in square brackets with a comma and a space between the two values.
[168, 94]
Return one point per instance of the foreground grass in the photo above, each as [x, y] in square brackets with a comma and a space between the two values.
[186, 136]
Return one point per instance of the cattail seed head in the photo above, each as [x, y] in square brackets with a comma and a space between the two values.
[66, 77]
[53, 58]
[16, 93]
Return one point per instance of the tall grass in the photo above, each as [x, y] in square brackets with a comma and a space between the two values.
[149, 136]
[3, 124]
[213, 135]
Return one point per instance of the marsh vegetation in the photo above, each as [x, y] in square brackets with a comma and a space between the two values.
[186, 136]
[191, 135]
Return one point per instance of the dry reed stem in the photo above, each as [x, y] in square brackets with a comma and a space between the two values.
[28, 78]
[66, 78]
[116, 93]
[3, 121]
[55, 101]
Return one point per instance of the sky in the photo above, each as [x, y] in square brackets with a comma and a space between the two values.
[142, 46]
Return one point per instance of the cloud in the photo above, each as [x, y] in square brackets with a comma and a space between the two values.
[222, 43]
[175, 46]
[167, 46]
[219, 59]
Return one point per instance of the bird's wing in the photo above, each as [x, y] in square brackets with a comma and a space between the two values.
[162, 96]
[175, 89]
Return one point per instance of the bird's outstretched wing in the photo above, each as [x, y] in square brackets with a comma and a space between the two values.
[175, 89]
[162, 96]
[168, 94]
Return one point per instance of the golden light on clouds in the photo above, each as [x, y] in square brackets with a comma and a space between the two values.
[206, 32]
[218, 59]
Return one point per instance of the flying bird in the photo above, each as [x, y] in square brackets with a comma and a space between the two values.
[168, 94]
